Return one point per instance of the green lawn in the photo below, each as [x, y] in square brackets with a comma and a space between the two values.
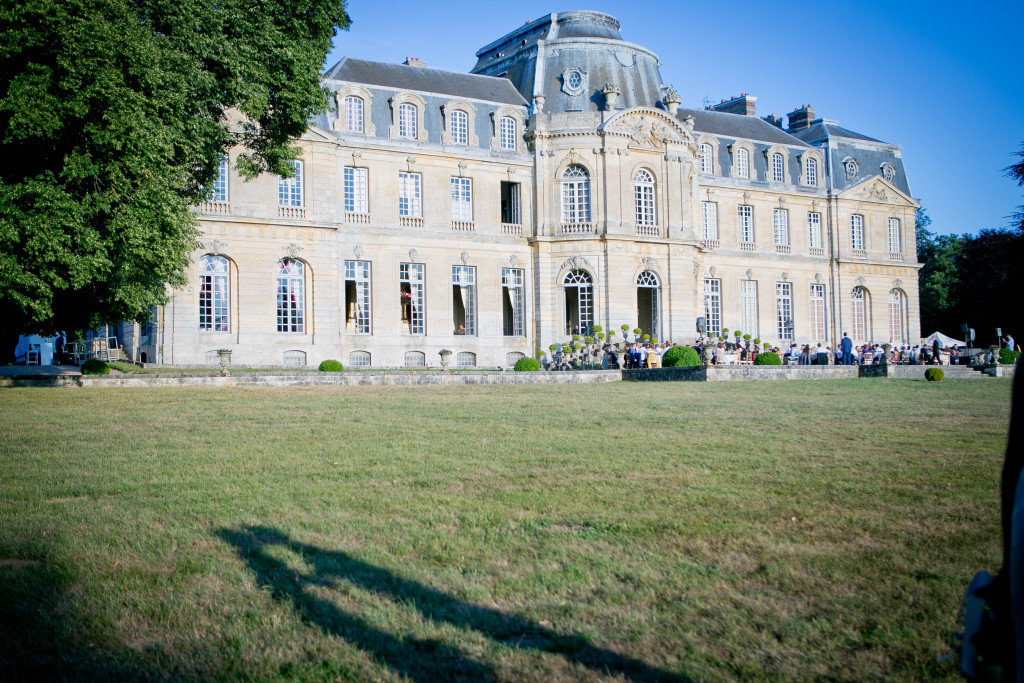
[762, 530]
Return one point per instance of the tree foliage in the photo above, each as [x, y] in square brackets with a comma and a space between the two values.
[971, 279]
[113, 117]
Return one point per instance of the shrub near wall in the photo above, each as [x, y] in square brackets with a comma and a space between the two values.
[680, 356]
[527, 364]
[331, 366]
[934, 374]
[768, 358]
[1008, 357]
[95, 367]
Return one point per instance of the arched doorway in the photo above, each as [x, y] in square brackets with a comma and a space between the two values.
[579, 302]
[648, 304]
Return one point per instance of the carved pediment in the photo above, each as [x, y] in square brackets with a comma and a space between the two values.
[880, 190]
[648, 128]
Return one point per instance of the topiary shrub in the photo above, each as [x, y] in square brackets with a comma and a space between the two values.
[934, 374]
[94, 366]
[331, 366]
[1008, 357]
[768, 358]
[680, 357]
[527, 364]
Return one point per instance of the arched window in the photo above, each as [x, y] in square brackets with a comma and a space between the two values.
[407, 121]
[575, 195]
[512, 357]
[643, 193]
[507, 132]
[707, 161]
[860, 306]
[354, 114]
[811, 171]
[214, 294]
[460, 127]
[465, 359]
[778, 168]
[415, 359]
[579, 302]
[742, 163]
[291, 288]
[648, 303]
[897, 316]
[359, 359]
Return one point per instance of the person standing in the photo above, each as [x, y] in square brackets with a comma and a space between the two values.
[846, 346]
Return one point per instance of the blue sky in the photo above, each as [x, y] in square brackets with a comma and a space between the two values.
[941, 79]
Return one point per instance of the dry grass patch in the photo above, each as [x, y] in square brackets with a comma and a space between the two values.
[616, 531]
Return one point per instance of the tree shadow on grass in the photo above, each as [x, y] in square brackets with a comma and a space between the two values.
[419, 660]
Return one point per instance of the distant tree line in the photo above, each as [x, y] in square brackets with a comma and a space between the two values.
[976, 280]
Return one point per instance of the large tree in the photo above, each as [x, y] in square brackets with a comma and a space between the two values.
[113, 117]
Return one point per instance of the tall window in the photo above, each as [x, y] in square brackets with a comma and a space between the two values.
[354, 114]
[707, 161]
[713, 305]
[357, 297]
[575, 195]
[409, 199]
[220, 182]
[507, 132]
[355, 190]
[784, 310]
[579, 302]
[462, 199]
[214, 294]
[460, 127]
[857, 232]
[811, 165]
[818, 312]
[464, 299]
[858, 311]
[411, 281]
[289, 190]
[513, 299]
[897, 316]
[643, 194]
[407, 121]
[778, 168]
[648, 303]
[709, 214]
[291, 288]
[814, 230]
[511, 212]
[745, 216]
[781, 222]
[894, 236]
[748, 304]
[742, 163]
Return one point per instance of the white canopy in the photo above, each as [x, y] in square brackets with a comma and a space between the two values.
[945, 341]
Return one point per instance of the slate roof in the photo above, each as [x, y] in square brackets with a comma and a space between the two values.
[738, 126]
[822, 130]
[426, 79]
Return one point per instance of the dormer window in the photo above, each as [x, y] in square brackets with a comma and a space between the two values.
[354, 114]
[742, 163]
[889, 172]
[507, 132]
[777, 168]
[850, 166]
[706, 161]
[459, 127]
[812, 171]
[407, 121]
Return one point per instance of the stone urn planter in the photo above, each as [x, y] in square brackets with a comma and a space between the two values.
[445, 354]
[224, 355]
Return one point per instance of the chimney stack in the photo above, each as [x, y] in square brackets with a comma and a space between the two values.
[743, 105]
[774, 120]
[413, 61]
[800, 118]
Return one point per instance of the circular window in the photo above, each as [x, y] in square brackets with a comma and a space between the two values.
[575, 80]
[851, 168]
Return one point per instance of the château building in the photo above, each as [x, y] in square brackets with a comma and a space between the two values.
[559, 186]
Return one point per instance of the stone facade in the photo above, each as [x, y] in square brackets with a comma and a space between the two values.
[558, 187]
